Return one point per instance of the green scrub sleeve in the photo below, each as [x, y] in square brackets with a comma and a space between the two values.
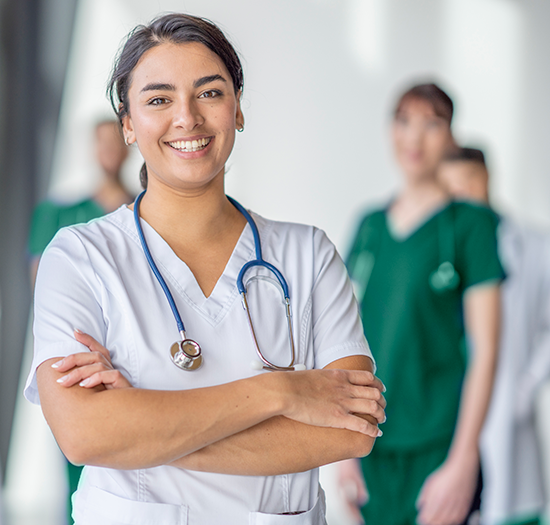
[478, 260]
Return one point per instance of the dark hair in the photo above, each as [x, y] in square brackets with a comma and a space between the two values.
[173, 28]
[432, 93]
[465, 154]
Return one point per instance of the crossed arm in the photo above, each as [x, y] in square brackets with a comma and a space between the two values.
[302, 419]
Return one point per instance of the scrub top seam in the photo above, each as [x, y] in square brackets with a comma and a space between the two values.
[103, 288]
[304, 332]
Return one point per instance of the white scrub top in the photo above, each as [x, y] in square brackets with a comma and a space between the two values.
[95, 278]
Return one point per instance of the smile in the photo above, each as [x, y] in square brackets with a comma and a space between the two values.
[190, 145]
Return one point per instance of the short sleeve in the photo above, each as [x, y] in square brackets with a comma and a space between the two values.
[44, 226]
[479, 260]
[337, 328]
[67, 296]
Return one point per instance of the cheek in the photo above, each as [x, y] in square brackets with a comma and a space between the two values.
[436, 144]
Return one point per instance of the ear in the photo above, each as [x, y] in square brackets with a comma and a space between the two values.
[239, 117]
[128, 129]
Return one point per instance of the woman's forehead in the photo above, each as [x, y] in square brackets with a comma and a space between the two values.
[171, 62]
[417, 106]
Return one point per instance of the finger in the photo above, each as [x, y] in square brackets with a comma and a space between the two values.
[358, 424]
[365, 378]
[361, 377]
[365, 392]
[91, 343]
[109, 378]
[80, 359]
[367, 408]
[81, 373]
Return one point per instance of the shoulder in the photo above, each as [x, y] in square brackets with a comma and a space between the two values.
[102, 233]
[282, 231]
[469, 213]
[303, 246]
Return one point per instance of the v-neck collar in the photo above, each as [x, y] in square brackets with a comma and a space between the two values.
[403, 237]
[178, 275]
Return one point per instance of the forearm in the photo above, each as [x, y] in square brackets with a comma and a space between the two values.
[482, 323]
[134, 428]
[128, 428]
[281, 446]
[278, 446]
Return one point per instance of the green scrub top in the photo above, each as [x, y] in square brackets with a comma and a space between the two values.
[413, 317]
[48, 218]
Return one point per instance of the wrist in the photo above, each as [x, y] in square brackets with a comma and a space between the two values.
[464, 455]
[273, 388]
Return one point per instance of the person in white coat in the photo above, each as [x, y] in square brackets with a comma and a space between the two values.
[185, 432]
[513, 490]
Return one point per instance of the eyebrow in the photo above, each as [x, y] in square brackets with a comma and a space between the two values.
[206, 80]
[160, 86]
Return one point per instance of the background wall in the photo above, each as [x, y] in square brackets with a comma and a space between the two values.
[321, 77]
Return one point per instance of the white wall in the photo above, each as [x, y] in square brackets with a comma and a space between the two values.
[320, 80]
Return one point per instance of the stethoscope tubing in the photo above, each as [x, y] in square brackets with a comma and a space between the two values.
[259, 261]
[154, 268]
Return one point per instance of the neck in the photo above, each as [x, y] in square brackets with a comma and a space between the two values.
[195, 216]
[420, 190]
[415, 203]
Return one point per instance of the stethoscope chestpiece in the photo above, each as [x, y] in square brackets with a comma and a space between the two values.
[186, 354]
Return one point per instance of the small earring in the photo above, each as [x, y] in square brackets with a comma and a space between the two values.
[126, 141]
[241, 129]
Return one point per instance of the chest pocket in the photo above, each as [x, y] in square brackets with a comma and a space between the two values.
[97, 506]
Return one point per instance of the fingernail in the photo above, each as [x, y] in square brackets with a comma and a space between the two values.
[62, 379]
[85, 382]
[78, 331]
[380, 433]
[58, 364]
[384, 388]
[385, 418]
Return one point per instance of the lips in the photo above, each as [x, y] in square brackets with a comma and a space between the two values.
[190, 145]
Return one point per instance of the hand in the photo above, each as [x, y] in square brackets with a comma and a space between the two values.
[352, 487]
[447, 494]
[335, 398]
[90, 369]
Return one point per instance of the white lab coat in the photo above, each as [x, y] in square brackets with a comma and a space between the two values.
[509, 449]
[95, 277]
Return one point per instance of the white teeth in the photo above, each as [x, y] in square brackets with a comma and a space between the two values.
[190, 145]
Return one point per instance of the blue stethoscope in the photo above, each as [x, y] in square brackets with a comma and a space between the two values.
[187, 354]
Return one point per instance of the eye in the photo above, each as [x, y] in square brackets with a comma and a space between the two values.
[433, 124]
[211, 93]
[157, 101]
[402, 120]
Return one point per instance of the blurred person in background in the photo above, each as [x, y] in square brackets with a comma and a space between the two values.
[510, 452]
[426, 272]
[49, 217]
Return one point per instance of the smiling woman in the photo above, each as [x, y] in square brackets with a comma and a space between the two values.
[155, 438]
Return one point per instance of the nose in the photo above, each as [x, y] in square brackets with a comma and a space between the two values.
[187, 115]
